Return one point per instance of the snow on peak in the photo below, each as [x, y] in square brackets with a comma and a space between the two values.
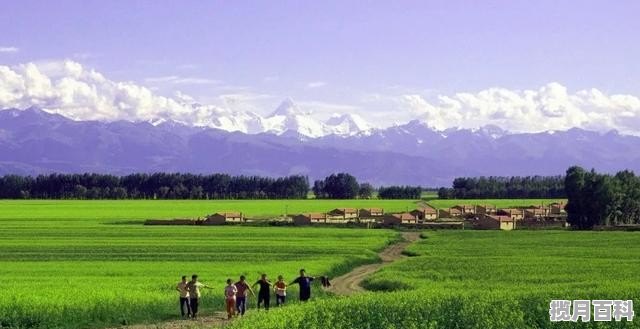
[288, 108]
[347, 124]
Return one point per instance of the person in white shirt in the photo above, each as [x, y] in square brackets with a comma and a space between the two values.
[181, 287]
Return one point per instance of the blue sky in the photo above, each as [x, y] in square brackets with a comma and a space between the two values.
[334, 54]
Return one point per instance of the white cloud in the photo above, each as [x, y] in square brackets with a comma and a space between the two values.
[70, 89]
[74, 91]
[316, 84]
[550, 107]
[9, 49]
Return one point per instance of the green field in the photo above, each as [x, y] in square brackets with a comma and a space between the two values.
[500, 203]
[482, 279]
[78, 264]
[136, 210]
[110, 210]
[89, 264]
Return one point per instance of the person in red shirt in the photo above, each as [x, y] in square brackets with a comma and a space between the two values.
[241, 298]
[280, 288]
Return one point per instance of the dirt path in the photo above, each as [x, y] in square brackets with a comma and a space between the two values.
[344, 285]
[218, 320]
[349, 283]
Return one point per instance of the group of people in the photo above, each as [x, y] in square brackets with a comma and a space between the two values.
[236, 293]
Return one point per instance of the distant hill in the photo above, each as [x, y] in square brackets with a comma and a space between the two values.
[33, 141]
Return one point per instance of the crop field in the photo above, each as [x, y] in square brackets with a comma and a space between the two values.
[111, 210]
[83, 265]
[482, 279]
[136, 210]
[500, 203]
[89, 264]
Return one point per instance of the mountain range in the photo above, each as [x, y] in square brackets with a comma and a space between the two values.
[287, 119]
[288, 141]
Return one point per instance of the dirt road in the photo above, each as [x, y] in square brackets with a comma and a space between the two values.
[344, 285]
[349, 283]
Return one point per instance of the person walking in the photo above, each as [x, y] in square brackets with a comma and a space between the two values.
[194, 294]
[264, 293]
[304, 282]
[183, 290]
[280, 288]
[230, 292]
[241, 296]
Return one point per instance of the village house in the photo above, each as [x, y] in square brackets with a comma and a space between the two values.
[370, 215]
[464, 208]
[425, 213]
[535, 213]
[486, 209]
[220, 218]
[398, 219]
[449, 213]
[343, 213]
[495, 222]
[371, 212]
[513, 213]
[557, 208]
[310, 218]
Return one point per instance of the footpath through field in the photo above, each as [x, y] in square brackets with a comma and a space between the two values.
[349, 283]
[344, 285]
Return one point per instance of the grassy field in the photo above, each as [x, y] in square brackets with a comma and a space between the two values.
[482, 279]
[109, 210]
[91, 210]
[500, 203]
[86, 264]
[78, 264]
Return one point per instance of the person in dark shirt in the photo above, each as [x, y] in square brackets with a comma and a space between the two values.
[264, 293]
[304, 282]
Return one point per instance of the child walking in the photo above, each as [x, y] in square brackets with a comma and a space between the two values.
[280, 288]
[230, 292]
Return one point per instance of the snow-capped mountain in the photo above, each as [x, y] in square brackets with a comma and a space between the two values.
[348, 125]
[288, 119]
[33, 142]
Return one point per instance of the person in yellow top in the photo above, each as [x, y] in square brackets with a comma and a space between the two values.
[194, 294]
[182, 288]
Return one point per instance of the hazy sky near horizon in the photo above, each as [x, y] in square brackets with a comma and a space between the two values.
[388, 61]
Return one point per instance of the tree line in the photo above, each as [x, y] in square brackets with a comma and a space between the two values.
[505, 188]
[346, 186]
[400, 192]
[601, 199]
[152, 186]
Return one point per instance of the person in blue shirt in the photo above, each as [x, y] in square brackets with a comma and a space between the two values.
[304, 282]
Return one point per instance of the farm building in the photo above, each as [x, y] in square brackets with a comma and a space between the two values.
[557, 208]
[465, 208]
[397, 219]
[223, 217]
[449, 213]
[486, 209]
[425, 213]
[343, 213]
[371, 212]
[310, 218]
[513, 213]
[494, 222]
[536, 212]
